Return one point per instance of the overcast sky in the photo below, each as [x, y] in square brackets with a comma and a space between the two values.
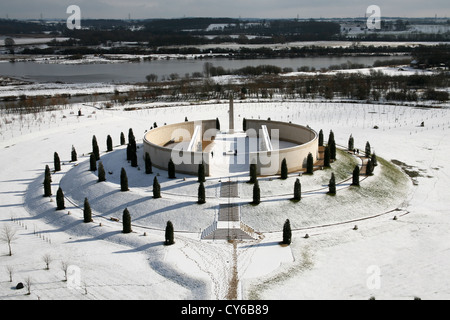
[139, 9]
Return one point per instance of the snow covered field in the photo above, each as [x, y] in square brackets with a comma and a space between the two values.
[384, 258]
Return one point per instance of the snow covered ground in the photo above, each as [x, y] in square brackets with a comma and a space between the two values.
[383, 258]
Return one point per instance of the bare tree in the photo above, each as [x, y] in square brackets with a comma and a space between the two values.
[28, 283]
[47, 260]
[64, 267]
[8, 235]
[10, 270]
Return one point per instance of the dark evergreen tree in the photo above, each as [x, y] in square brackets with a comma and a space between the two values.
[321, 138]
[130, 135]
[122, 139]
[332, 185]
[87, 212]
[109, 144]
[297, 190]
[310, 164]
[95, 149]
[369, 168]
[351, 143]
[326, 157]
[156, 188]
[332, 147]
[129, 152]
[92, 163]
[171, 169]
[134, 160]
[284, 169]
[252, 173]
[374, 159]
[101, 172]
[48, 173]
[201, 194]
[56, 162]
[368, 149]
[169, 234]
[217, 124]
[201, 172]
[47, 185]
[148, 164]
[330, 137]
[355, 178]
[256, 193]
[60, 200]
[287, 232]
[74, 156]
[123, 180]
[126, 221]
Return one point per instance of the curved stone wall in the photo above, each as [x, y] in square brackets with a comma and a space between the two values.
[269, 162]
[156, 141]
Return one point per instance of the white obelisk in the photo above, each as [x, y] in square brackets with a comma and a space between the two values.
[231, 115]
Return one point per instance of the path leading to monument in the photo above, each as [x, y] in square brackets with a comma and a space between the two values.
[228, 225]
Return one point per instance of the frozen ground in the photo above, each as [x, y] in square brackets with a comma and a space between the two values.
[384, 258]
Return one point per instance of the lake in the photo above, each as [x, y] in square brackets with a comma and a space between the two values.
[136, 71]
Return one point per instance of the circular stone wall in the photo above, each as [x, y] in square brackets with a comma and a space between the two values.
[171, 142]
[269, 162]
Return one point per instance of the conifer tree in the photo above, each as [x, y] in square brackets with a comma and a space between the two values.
[284, 169]
[87, 212]
[56, 162]
[351, 143]
[369, 168]
[374, 159]
[201, 172]
[310, 164]
[130, 135]
[60, 200]
[368, 149]
[332, 185]
[297, 190]
[74, 156]
[126, 221]
[355, 178]
[252, 173]
[326, 157]
[123, 180]
[95, 149]
[101, 172]
[287, 232]
[332, 147]
[92, 163]
[169, 234]
[156, 188]
[148, 164]
[122, 139]
[256, 193]
[109, 144]
[321, 138]
[217, 124]
[47, 185]
[201, 194]
[48, 173]
[134, 160]
[129, 152]
[171, 169]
